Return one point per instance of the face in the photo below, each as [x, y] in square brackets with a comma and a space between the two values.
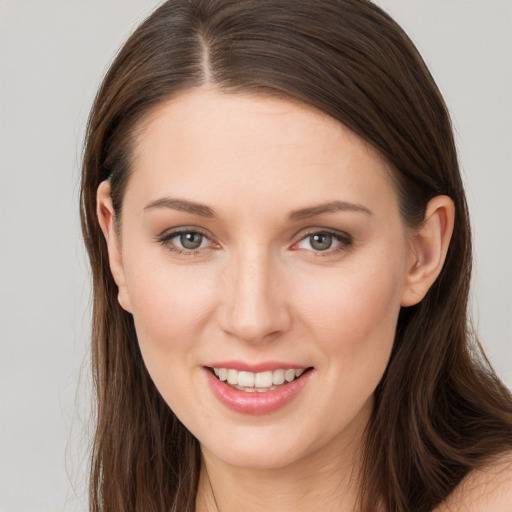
[261, 240]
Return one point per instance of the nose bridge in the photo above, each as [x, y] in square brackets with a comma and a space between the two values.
[255, 305]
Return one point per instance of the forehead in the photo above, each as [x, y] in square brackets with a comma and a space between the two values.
[215, 145]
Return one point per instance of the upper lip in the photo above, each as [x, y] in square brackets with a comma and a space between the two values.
[264, 366]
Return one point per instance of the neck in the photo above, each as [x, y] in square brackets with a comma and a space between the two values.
[327, 480]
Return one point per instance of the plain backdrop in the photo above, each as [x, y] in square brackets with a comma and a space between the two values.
[52, 57]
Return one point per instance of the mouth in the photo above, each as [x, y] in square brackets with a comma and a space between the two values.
[271, 387]
[260, 382]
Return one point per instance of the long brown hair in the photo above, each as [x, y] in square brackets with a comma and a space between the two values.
[439, 410]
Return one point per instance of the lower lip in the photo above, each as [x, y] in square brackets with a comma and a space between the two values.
[256, 403]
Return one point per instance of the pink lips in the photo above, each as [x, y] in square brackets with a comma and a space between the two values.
[256, 403]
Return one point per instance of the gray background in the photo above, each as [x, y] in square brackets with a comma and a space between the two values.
[52, 57]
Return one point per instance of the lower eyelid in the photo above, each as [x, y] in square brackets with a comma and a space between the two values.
[343, 239]
[166, 239]
[338, 250]
[344, 242]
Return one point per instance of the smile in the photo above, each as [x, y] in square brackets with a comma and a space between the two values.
[259, 382]
[256, 393]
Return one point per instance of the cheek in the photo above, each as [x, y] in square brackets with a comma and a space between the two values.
[354, 309]
[352, 318]
[170, 303]
[171, 307]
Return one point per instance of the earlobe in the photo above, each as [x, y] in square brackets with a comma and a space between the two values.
[106, 220]
[429, 248]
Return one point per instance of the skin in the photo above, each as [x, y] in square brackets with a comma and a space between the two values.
[258, 290]
[488, 489]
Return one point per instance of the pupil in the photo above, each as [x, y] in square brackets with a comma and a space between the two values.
[191, 240]
[321, 241]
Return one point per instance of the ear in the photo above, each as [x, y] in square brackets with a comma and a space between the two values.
[106, 219]
[429, 247]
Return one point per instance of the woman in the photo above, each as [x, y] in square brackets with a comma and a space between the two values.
[280, 250]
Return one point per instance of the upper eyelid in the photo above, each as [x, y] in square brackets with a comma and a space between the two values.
[312, 231]
[171, 233]
[166, 237]
[345, 242]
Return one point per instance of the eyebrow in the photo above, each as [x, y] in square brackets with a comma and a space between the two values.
[301, 214]
[333, 206]
[182, 205]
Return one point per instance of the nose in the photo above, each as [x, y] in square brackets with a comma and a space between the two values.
[255, 305]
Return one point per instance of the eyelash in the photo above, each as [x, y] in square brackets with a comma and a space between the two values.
[344, 240]
[166, 240]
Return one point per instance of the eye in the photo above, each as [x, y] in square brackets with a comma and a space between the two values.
[185, 241]
[190, 240]
[320, 241]
[325, 241]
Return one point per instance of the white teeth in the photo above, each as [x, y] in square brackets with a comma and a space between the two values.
[246, 379]
[278, 377]
[263, 381]
[289, 375]
[255, 390]
[233, 376]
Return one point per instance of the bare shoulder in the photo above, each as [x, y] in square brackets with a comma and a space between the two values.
[488, 489]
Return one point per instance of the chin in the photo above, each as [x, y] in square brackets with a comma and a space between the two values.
[275, 447]
[255, 456]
